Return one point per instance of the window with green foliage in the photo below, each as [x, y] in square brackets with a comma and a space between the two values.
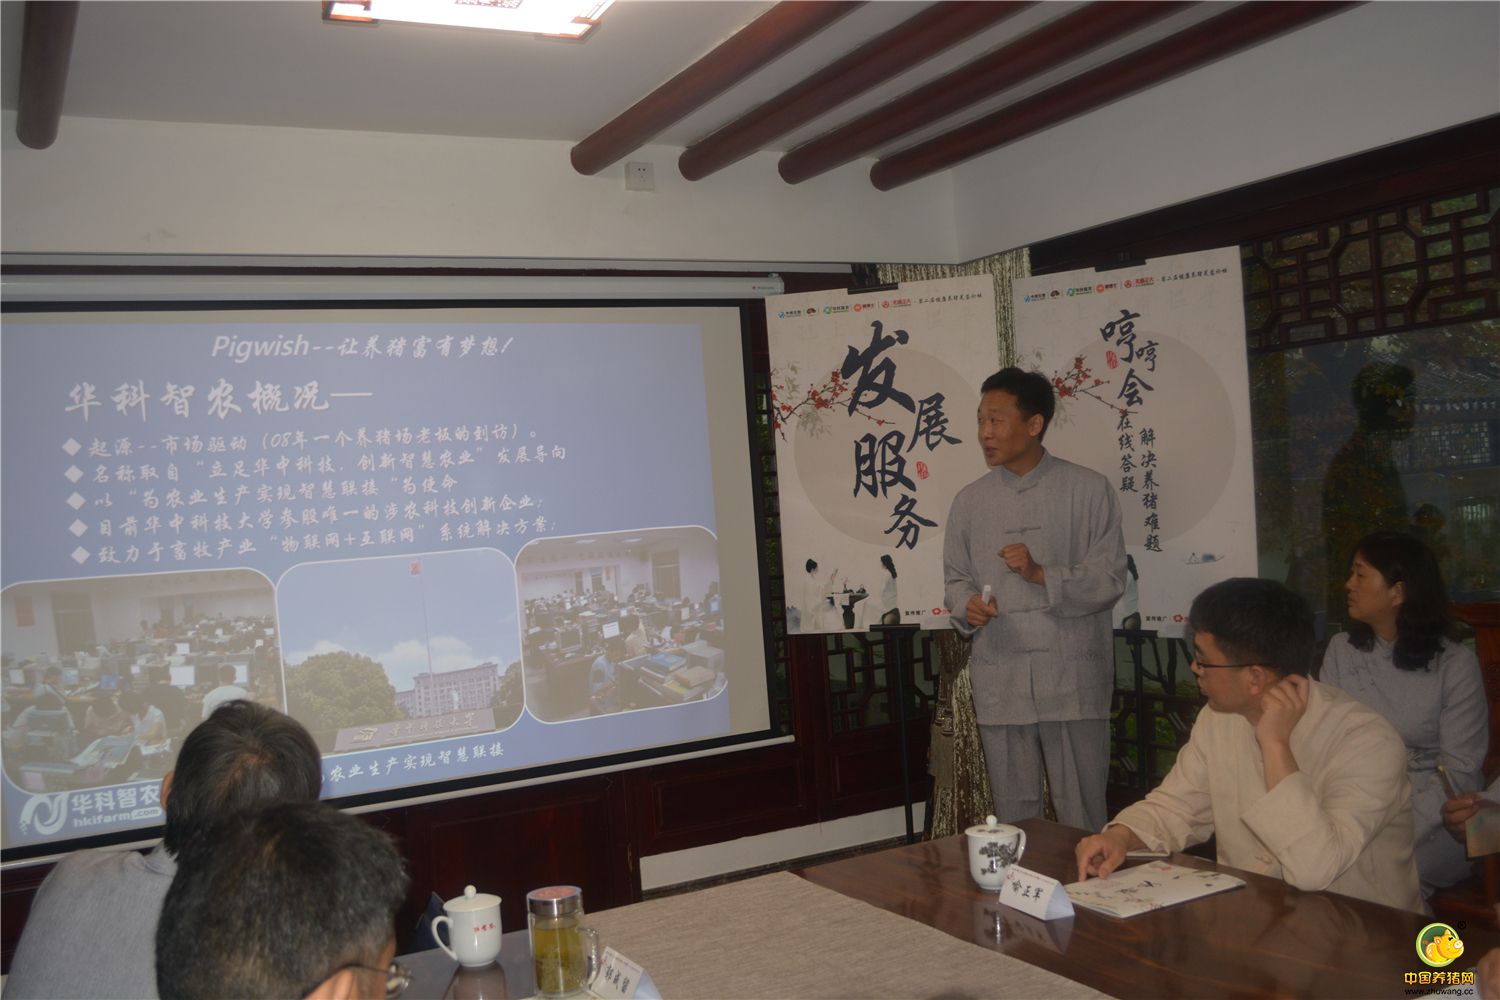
[1375, 392]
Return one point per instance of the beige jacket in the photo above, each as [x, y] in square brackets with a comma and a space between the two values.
[1343, 822]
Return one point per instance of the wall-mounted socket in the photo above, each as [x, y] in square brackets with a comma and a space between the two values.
[639, 176]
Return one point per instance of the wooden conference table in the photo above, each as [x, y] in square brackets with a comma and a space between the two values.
[929, 931]
[1266, 939]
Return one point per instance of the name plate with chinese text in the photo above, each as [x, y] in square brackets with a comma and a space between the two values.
[1035, 894]
[621, 979]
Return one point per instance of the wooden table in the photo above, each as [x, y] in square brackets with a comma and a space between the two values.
[435, 976]
[773, 937]
[1267, 939]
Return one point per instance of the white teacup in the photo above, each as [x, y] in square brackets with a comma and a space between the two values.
[993, 848]
[473, 921]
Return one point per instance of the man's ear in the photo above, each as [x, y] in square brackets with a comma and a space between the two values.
[166, 787]
[1035, 424]
[342, 985]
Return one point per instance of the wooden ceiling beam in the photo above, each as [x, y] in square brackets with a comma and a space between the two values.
[910, 43]
[1047, 47]
[46, 46]
[1243, 27]
[783, 27]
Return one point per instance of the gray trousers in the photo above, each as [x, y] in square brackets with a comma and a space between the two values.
[1076, 757]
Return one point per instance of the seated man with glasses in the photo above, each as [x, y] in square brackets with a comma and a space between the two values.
[293, 900]
[1298, 780]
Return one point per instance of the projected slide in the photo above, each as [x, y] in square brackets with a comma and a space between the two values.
[453, 543]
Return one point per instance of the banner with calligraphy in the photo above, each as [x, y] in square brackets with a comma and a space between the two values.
[1149, 367]
[874, 397]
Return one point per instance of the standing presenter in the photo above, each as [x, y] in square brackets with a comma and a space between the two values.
[1042, 536]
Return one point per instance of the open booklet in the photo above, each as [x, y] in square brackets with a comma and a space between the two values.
[1151, 886]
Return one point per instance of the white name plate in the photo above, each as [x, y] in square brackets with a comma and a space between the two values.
[621, 979]
[1035, 894]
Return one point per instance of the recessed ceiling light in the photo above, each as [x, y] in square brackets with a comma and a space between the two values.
[554, 18]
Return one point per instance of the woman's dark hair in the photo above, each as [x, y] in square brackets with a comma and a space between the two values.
[1424, 618]
[812, 564]
[888, 563]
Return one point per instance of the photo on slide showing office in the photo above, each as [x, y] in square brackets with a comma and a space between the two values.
[466, 545]
[622, 622]
[105, 676]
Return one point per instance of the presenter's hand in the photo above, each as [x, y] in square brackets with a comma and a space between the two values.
[1458, 811]
[1281, 708]
[1101, 853]
[978, 613]
[1018, 559]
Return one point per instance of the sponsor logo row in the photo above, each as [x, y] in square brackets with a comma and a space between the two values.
[1140, 282]
[848, 308]
[834, 310]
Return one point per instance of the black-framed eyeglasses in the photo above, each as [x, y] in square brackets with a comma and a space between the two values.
[1190, 639]
[397, 977]
[1220, 666]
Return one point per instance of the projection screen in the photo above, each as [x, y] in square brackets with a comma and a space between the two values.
[465, 544]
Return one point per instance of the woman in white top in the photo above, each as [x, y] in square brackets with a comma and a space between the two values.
[1398, 657]
[814, 600]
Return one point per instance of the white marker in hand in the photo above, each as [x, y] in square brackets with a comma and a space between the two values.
[984, 598]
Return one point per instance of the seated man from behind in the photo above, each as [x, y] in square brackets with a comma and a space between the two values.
[1298, 780]
[244, 754]
[227, 691]
[293, 900]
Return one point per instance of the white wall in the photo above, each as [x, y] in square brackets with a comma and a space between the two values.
[119, 604]
[697, 564]
[153, 187]
[1366, 78]
[629, 573]
[26, 641]
[548, 583]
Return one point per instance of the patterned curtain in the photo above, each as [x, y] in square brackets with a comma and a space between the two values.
[1002, 267]
[955, 756]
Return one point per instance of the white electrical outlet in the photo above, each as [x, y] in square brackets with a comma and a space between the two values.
[639, 176]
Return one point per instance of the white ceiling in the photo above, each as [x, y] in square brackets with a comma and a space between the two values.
[276, 63]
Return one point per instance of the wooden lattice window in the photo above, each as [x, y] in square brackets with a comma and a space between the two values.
[1390, 269]
[861, 688]
[763, 461]
[1411, 286]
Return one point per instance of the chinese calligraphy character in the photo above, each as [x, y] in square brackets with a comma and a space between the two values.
[932, 423]
[83, 399]
[129, 396]
[1130, 391]
[221, 400]
[879, 465]
[873, 386]
[908, 522]
[177, 397]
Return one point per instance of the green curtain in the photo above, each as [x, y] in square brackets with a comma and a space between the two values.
[1003, 268]
[955, 756]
